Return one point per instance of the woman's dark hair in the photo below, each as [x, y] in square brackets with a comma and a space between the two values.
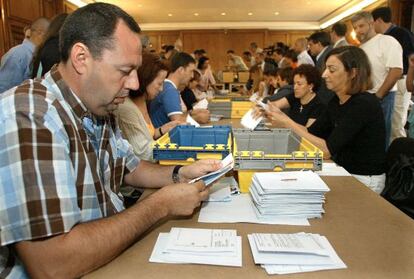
[354, 59]
[196, 76]
[147, 72]
[52, 33]
[202, 61]
[310, 73]
[93, 25]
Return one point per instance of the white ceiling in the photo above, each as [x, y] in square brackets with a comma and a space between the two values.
[290, 14]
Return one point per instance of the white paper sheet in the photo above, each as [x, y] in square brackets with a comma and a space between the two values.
[241, 210]
[249, 122]
[192, 121]
[225, 259]
[227, 165]
[203, 104]
[332, 169]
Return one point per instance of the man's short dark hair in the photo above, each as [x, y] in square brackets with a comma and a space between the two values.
[286, 74]
[270, 70]
[93, 25]
[230, 51]
[320, 37]
[181, 59]
[340, 29]
[383, 12]
[280, 51]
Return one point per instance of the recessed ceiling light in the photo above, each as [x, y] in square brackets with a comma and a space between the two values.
[139, 5]
[196, 14]
[309, 2]
[223, 14]
[249, 14]
[169, 14]
[276, 13]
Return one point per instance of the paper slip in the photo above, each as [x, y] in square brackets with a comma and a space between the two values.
[199, 246]
[201, 240]
[192, 121]
[215, 117]
[241, 210]
[286, 258]
[254, 97]
[337, 263]
[223, 189]
[249, 122]
[227, 165]
[332, 169]
[203, 104]
[290, 243]
[262, 105]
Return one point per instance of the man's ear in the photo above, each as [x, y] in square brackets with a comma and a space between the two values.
[79, 57]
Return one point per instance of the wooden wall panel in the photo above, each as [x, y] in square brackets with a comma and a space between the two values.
[277, 36]
[16, 14]
[217, 42]
[69, 7]
[212, 41]
[24, 10]
[2, 30]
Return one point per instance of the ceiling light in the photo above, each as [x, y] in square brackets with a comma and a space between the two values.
[139, 5]
[358, 7]
[353, 35]
[196, 14]
[309, 2]
[276, 13]
[169, 14]
[78, 3]
[250, 14]
[223, 14]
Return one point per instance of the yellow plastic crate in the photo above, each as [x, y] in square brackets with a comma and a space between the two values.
[239, 108]
[274, 150]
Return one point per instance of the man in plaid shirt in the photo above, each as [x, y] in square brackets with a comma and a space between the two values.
[63, 159]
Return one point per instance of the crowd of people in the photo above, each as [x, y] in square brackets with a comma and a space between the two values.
[84, 125]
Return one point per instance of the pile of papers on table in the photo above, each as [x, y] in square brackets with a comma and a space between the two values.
[293, 253]
[198, 246]
[298, 194]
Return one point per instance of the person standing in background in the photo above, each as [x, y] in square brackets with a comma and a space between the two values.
[15, 64]
[383, 25]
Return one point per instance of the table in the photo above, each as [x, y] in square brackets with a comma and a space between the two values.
[372, 237]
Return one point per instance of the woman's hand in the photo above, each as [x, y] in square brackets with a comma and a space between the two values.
[277, 117]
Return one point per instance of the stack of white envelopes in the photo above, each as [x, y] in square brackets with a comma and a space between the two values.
[293, 253]
[198, 246]
[298, 194]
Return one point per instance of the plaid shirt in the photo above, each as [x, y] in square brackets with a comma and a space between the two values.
[59, 165]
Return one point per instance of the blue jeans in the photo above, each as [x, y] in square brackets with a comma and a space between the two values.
[387, 105]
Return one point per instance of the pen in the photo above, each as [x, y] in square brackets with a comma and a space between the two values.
[288, 179]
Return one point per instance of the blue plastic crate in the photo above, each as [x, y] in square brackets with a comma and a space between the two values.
[189, 143]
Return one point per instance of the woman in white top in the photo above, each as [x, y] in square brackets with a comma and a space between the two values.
[132, 115]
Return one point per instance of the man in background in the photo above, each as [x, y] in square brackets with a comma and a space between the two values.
[15, 64]
[383, 25]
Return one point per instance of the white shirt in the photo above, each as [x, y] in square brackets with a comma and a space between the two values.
[339, 41]
[320, 53]
[384, 52]
[305, 58]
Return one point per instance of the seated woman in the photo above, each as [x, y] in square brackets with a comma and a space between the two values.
[202, 116]
[304, 105]
[352, 129]
[132, 115]
[207, 80]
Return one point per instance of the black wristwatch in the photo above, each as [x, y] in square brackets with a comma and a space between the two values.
[175, 175]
